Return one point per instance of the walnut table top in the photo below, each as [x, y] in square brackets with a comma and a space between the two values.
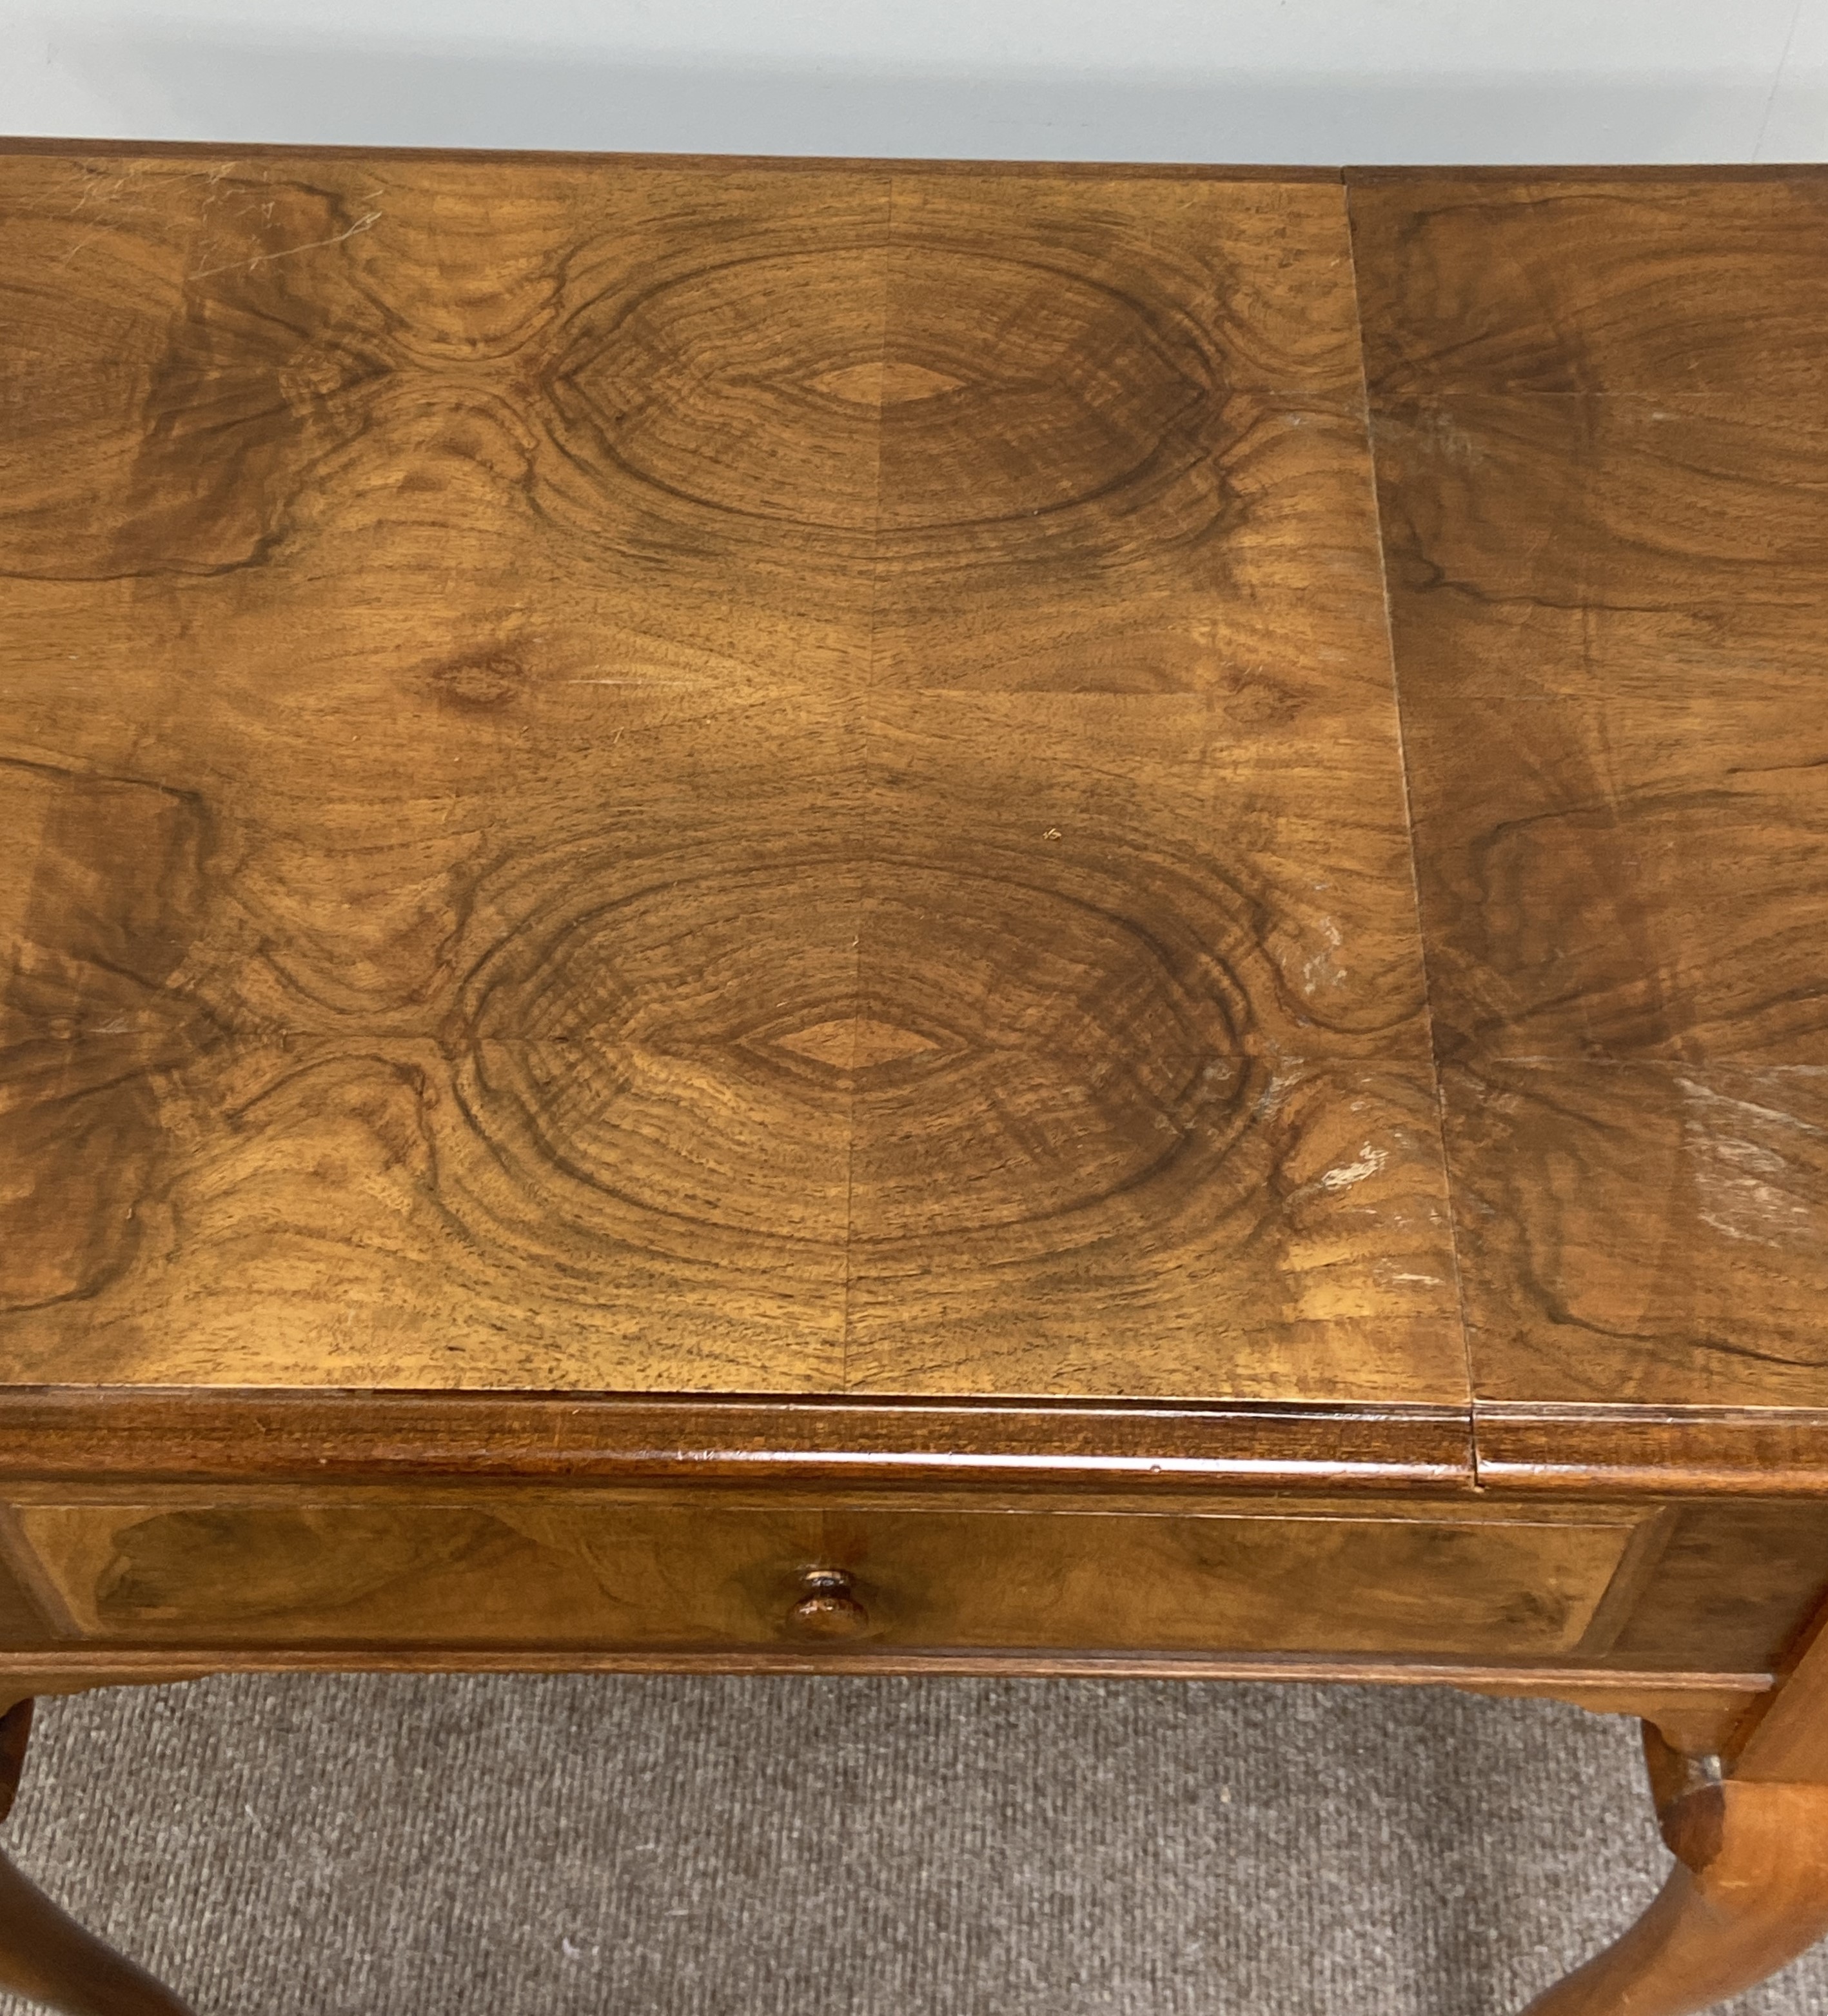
[712, 777]
[1059, 919]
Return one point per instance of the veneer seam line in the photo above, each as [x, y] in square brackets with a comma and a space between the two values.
[1447, 1179]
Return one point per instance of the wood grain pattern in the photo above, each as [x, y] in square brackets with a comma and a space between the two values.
[1206, 1067]
[1701, 283]
[1572, 1449]
[1741, 1579]
[779, 785]
[102, 1436]
[1625, 882]
[22, 1622]
[1785, 1739]
[1150, 394]
[551, 1571]
[1668, 1590]
[1599, 412]
[1642, 1233]
[1598, 547]
[673, 777]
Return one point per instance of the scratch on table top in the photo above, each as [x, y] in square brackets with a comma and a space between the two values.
[1700, 1096]
[362, 223]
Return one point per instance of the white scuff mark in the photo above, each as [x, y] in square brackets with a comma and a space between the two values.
[1742, 1207]
[1272, 1096]
[1740, 1182]
[1425, 1281]
[363, 223]
[1370, 1161]
[1749, 1155]
[1455, 442]
[1322, 970]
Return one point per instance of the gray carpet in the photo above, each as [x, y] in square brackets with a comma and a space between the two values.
[652, 1847]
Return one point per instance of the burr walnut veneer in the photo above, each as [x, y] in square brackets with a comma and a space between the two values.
[854, 917]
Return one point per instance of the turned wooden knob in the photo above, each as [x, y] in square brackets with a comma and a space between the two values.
[827, 1608]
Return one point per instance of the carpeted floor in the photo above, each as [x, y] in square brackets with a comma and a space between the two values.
[652, 1847]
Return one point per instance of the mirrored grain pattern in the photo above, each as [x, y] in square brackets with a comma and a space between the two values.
[701, 778]
[388, 1212]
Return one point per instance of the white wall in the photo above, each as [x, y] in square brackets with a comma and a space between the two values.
[1324, 81]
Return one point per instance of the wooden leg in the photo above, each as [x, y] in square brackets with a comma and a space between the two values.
[1749, 1893]
[44, 1954]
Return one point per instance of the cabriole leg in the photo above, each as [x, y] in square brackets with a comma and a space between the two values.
[1749, 1892]
[44, 1954]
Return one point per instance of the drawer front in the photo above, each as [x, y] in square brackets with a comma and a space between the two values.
[589, 1573]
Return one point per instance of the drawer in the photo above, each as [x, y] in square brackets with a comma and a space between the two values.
[586, 1572]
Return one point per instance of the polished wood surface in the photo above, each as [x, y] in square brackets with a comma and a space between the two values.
[1785, 1739]
[1601, 435]
[549, 1570]
[1577, 282]
[1598, 408]
[1007, 831]
[1567, 1448]
[218, 1435]
[1744, 1580]
[440, 592]
[1705, 1599]
[858, 916]
[689, 777]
